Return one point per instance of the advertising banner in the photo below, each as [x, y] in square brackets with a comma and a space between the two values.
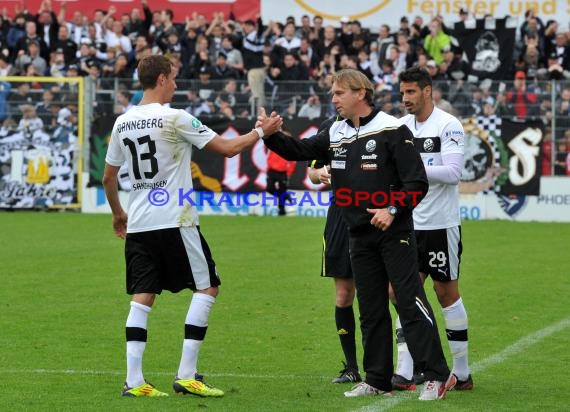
[40, 163]
[374, 13]
[242, 9]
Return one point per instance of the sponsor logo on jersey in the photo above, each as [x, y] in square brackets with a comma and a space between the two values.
[369, 166]
[339, 151]
[338, 164]
[369, 157]
[430, 161]
[370, 146]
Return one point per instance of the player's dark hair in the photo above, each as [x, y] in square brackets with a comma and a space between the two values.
[416, 75]
[150, 68]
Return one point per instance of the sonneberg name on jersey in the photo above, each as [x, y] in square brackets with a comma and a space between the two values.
[156, 141]
[439, 135]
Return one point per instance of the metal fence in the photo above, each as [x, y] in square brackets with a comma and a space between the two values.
[487, 102]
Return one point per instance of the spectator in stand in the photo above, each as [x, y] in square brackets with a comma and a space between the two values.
[215, 34]
[404, 26]
[47, 23]
[140, 25]
[252, 50]
[522, 101]
[201, 57]
[173, 44]
[122, 101]
[345, 36]
[117, 40]
[20, 95]
[32, 56]
[32, 35]
[30, 122]
[16, 31]
[64, 43]
[78, 27]
[166, 27]
[196, 105]
[318, 30]
[234, 58]
[305, 31]
[222, 70]
[288, 43]
[440, 102]
[44, 108]
[328, 42]
[436, 43]
[385, 40]
[562, 50]
[312, 108]
[553, 69]
[532, 27]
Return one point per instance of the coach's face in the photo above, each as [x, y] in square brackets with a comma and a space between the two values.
[346, 100]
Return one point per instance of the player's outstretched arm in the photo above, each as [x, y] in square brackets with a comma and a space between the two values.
[232, 147]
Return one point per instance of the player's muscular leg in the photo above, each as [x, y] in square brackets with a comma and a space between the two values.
[212, 291]
[447, 292]
[344, 292]
[146, 299]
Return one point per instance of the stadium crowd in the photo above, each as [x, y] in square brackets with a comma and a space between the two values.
[230, 66]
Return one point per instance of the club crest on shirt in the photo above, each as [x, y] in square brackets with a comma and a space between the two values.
[428, 145]
[370, 146]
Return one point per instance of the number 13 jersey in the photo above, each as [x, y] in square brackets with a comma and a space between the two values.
[156, 142]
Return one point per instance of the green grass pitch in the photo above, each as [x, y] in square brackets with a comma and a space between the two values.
[271, 344]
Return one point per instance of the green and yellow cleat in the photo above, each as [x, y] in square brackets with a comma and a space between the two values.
[195, 386]
[146, 389]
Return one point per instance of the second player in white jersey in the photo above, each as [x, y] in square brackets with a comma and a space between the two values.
[438, 139]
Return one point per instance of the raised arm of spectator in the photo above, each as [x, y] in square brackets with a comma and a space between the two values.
[147, 15]
[61, 14]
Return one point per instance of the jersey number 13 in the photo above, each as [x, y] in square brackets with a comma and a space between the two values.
[138, 158]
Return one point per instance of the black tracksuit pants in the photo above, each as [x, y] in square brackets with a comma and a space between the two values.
[378, 258]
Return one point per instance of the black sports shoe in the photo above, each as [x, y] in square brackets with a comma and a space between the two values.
[399, 383]
[347, 375]
[419, 378]
[465, 385]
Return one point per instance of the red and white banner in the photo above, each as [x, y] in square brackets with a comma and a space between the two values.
[242, 9]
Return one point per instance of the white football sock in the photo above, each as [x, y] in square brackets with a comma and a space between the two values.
[196, 325]
[138, 316]
[405, 365]
[456, 327]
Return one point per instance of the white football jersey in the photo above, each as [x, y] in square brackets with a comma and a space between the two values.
[440, 134]
[156, 141]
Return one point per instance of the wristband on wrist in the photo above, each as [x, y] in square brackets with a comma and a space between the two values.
[259, 131]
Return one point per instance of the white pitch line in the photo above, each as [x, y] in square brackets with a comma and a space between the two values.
[499, 357]
[117, 373]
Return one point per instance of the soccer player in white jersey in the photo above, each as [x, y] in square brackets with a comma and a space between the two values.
[439, 137]
[164, 249]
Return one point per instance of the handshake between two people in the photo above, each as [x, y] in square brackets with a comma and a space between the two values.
[270, 124]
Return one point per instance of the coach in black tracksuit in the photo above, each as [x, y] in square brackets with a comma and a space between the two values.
[369, 152]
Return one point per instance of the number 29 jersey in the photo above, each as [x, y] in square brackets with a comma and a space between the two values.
[156, 142]
[441, 134]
